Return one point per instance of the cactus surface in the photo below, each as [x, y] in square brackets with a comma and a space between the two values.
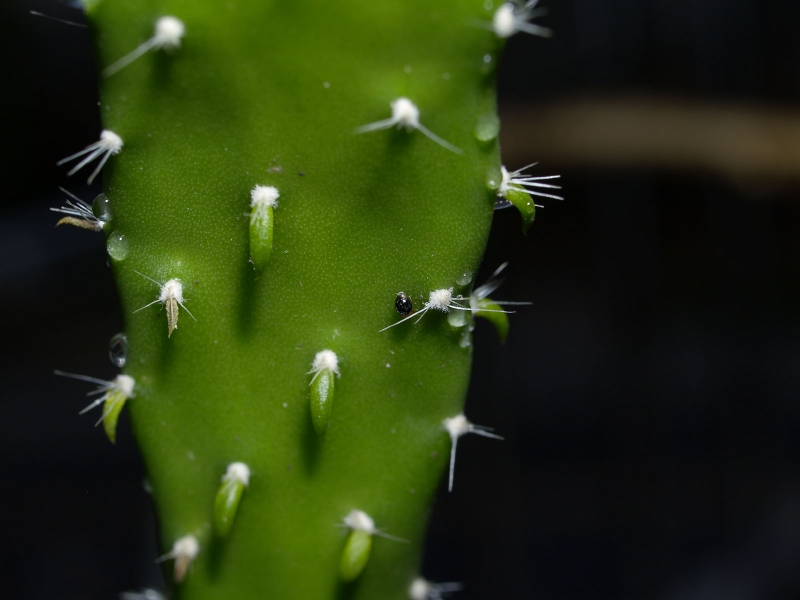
[316, 100]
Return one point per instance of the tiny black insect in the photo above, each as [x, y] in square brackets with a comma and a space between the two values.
[403, 304]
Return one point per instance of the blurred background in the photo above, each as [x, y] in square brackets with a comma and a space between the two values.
[649, 397]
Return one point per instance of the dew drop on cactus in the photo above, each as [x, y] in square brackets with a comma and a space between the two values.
[493, 179]
[464, 278]
[487, 127]
[263, 200]
[101, 208]
[226, 502]
[325, 369]
[118, 246]
[118, 350]
[457, 318]
[487, 64]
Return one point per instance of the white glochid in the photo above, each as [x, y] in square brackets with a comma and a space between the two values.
[79, 214]
[121, 384]
[518, 181]
[171, 296]
[405, 115]
[113, 396]
[512, 18]
[459, 426]
[109, 144]
[482, 292]
[237, 472]
[183, 552]
[358, 520]
[442, 300]
[167, 34]
[324, 360]
[422, 589]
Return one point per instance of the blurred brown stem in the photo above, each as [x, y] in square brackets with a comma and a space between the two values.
[733, 141]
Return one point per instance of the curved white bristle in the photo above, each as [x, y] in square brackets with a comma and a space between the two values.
[511, 18]
[405, 115]
[517, 181]
[108, 145]
[167, 34]
[422, 589]
[457, 427]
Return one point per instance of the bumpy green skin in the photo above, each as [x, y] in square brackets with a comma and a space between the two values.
[361, 217]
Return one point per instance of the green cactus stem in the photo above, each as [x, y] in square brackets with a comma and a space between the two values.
[377, 123]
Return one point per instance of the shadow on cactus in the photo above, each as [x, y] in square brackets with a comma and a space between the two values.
[304, 176]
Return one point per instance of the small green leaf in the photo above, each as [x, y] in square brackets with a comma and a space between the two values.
[261, 235]
[355, 555]
[498, 319]
[322, 388]
[225, 505]
[115, 401]
[525, 205]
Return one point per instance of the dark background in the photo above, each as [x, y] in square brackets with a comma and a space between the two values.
[649, 397]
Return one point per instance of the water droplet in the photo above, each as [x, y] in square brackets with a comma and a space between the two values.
[493, 179]
[487, 64]
[118, 246]
[487, 127]
[457, 318]
[118, 350]
[464, 278]
[101, 208]
[488, 5]
[466, 340]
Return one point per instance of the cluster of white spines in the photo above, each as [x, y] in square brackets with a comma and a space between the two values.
[108, 145]
[457, 427]
[122, 384]
[518, 181]
[237, 472]
[79, 213]
[184, 551]
[171, 296]
[325, 360]
[405, 115]
[422, 589]
[264, 195]
[358, 520]
[512, 18]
